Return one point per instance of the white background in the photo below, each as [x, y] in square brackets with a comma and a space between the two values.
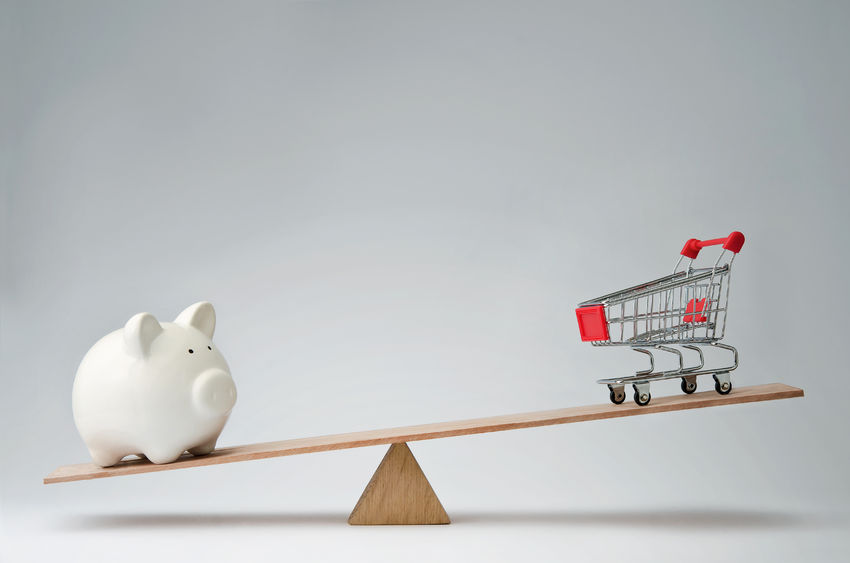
[395, 207]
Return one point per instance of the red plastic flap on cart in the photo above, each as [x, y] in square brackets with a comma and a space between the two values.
[592, 323]
[695, 306]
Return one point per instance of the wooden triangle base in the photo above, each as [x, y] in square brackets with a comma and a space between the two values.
[398, 493]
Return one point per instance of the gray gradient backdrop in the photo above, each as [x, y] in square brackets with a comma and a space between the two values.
[395, 207]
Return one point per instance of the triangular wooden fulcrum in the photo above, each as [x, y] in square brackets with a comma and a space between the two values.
[398, 493]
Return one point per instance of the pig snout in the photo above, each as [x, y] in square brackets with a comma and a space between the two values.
[214, 393]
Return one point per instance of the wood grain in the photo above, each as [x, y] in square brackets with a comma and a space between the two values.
[768, 392]
[398, 493]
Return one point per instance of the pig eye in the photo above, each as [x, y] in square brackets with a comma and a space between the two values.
[191, 351]
[209, 347]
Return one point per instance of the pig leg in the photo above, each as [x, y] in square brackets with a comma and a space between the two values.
[204, 448]
[105, 458]
[163, 456]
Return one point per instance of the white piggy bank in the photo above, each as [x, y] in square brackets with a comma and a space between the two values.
[154, 389]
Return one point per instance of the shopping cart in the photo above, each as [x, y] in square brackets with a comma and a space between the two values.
[685, 309]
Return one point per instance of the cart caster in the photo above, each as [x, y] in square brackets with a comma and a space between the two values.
[689, 385]
[617, 394]
[722, 383]
[642, 396]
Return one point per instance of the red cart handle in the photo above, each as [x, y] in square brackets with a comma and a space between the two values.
[733, 242]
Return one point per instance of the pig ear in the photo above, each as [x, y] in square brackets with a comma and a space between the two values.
[139, 333]
[200, 316]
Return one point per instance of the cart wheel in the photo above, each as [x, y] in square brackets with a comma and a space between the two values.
[617, 396]
[688, 387]
[722, 388]
[642, 399]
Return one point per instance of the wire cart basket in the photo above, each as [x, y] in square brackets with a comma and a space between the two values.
[683, 311]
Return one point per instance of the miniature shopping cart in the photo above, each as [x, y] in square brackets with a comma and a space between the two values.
[686, 309]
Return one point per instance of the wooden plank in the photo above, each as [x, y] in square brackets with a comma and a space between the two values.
[398, 493]
[768, 392]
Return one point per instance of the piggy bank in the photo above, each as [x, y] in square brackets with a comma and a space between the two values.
[154, 389]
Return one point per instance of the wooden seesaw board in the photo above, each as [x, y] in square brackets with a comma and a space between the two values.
[399, 491]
